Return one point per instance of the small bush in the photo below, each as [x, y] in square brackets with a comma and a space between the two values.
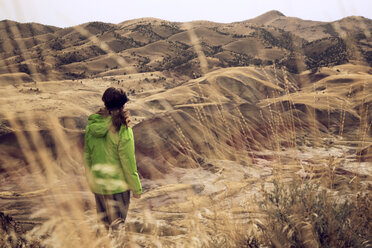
[305, 215]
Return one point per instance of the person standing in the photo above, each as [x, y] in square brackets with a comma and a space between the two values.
[109, 159]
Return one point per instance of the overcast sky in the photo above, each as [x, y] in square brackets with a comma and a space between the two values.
[63, 13]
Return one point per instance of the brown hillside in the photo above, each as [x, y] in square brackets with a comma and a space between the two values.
[144, 45]
[230, 109]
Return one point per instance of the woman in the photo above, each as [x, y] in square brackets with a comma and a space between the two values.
[109, 159]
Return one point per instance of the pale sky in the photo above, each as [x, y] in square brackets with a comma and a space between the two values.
[64, 13]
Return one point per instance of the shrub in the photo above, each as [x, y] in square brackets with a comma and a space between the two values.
[304, 214]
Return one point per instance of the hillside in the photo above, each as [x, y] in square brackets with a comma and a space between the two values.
[99, 49]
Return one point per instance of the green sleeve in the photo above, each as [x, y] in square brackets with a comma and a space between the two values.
[87, 157]
[128, 161]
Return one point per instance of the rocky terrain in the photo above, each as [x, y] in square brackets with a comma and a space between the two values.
[218, 112]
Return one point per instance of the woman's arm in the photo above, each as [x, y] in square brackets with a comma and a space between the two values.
[128, 161]
[87, 157]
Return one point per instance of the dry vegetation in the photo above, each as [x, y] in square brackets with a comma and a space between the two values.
[233, 150]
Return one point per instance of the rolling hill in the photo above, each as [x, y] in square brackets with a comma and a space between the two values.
[144, 45]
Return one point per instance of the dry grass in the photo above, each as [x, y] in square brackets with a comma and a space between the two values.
[304, 214]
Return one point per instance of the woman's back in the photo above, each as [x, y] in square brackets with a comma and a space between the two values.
[109, 153]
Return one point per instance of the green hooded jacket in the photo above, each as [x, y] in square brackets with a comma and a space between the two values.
[109, 159]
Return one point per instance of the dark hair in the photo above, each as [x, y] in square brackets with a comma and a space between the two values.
[114, 100]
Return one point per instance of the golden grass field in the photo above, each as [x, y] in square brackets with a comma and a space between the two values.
[229, 156]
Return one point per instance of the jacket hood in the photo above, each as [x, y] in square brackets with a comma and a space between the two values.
[98, 125]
